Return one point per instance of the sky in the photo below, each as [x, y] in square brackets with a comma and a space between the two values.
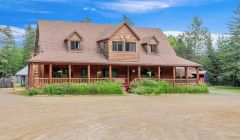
[172, 16]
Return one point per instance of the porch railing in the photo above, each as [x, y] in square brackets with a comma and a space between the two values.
[42, 81]
[177, 81]
[60, 80]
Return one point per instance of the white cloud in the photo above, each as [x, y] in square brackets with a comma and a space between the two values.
[142, 6]
[86, 8]
[93, 9]
[89, 9]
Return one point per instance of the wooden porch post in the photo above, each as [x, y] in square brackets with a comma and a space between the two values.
[139, 72]
[186, 74]
[110, 72]
[197, 75]
[174, 75]
[50, 73]
[159, 72]
[69, 73]
[89, 73]
[30, 75]
[128, 75]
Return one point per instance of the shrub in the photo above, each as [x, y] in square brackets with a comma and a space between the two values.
[34, 91]
[162, 87]
[81, 89]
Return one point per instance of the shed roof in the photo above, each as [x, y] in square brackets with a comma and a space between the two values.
[22, 72]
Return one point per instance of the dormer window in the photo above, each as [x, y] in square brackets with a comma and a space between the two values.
[130, 46]
[75, 45]
[152, 48]
[117, 46]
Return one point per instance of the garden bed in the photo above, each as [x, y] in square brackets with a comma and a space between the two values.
[151, 87]
[98, 88]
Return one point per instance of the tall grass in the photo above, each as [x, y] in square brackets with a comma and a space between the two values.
[79, 89]
[162, 87]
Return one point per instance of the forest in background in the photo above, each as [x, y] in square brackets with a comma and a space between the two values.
[221, 60]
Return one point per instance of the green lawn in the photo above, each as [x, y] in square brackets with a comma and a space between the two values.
[226, 88]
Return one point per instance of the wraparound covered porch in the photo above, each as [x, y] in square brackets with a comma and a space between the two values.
[46, 73]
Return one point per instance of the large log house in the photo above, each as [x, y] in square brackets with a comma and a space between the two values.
[85, 52]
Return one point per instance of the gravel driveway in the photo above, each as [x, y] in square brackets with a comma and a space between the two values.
[170, 117]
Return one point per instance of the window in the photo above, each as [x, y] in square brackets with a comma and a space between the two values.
[84, 72]
[114, 72]
[130, 46]
[59, 71]
[75, 45]
[117, 46]
[152, 48]
[105, 46]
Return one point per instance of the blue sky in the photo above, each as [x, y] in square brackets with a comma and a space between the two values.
[169, 15]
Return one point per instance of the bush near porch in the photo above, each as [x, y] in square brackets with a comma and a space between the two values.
[78, 89]
[151, 87]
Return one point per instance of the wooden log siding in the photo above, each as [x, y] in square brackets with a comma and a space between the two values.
[123, 55]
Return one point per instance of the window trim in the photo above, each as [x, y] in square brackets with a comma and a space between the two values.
[130, 49]
[117, 46]
[150, 48]
[75, 44]
[123, 47]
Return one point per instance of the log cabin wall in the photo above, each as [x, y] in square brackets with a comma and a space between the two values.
[124, 56]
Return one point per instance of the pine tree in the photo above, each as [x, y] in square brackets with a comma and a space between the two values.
[234, 47]
[86, 20]
[194, 42]
[126, 19]
[29, 41]
[6, 52]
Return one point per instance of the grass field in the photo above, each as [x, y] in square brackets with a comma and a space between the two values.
[226, 88]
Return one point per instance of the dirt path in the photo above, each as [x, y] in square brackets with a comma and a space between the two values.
[181, 117]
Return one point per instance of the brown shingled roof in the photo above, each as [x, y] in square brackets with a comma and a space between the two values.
[53, 33]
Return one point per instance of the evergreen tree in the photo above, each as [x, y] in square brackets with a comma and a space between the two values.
[29, 41]
[126, 19]
[194, 41]
[86, 20]
[6, 51]
[234, 46]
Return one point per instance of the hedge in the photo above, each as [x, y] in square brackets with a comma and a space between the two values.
[151, 87]
[78, 89]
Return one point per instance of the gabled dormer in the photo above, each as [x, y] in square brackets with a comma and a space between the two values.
[150, 44]
[122, 43]
[74, 42]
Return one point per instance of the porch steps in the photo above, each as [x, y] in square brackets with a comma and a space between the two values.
[126, 86]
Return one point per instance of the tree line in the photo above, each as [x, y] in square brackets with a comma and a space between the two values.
[12, 57]
[221, 60]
